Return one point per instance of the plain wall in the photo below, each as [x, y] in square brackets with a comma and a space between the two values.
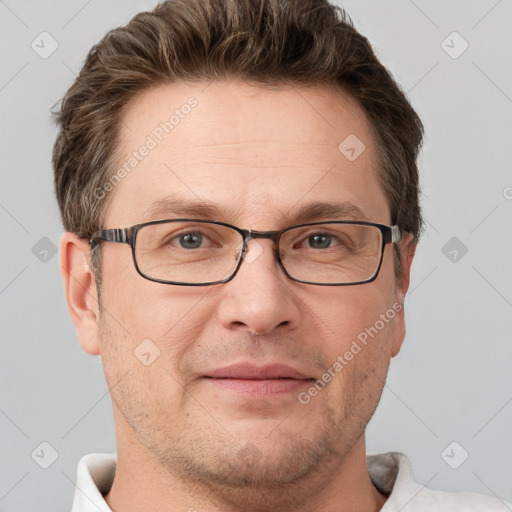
[452, 380]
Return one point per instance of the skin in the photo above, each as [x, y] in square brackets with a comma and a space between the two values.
[183, 443]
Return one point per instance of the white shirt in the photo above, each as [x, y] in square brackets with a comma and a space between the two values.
[391, 473]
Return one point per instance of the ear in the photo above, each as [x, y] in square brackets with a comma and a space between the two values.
[407, 250]
[80, 290]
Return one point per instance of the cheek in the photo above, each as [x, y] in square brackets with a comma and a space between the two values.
[347, 314]
[358, 367]
[152, 317]
[146, 395]
[358, 330]
[142, 346]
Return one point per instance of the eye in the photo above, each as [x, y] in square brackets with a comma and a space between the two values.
[320, 241]
[190, 240]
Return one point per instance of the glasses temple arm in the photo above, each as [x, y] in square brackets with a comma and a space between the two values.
[396, 234]
[118, 236]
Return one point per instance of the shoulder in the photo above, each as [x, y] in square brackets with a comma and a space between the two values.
[440, 501]
[392, 474]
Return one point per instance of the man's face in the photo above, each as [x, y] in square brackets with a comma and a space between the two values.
[258, 155]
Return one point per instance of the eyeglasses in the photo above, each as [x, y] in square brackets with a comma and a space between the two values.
[196, 252]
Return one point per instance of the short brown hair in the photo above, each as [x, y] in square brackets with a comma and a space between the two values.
[262, 42]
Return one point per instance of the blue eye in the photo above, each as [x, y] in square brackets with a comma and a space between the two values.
[319, 241]
[190, 240]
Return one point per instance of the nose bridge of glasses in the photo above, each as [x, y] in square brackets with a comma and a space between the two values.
[258, 249]
[271, 235]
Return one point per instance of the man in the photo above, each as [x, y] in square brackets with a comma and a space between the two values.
[238, 184]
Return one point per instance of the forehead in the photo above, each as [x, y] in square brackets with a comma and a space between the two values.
[256, 153]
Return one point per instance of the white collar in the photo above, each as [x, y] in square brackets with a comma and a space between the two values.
[391, 473]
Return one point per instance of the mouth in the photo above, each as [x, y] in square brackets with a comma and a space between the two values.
[258, 381]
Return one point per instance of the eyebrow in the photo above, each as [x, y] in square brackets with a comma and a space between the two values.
[171, 206]
[327, 210]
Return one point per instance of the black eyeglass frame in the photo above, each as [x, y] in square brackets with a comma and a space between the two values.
[390, 234]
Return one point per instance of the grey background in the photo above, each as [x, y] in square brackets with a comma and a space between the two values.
[452, 379]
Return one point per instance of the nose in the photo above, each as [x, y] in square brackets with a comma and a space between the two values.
[260, 298]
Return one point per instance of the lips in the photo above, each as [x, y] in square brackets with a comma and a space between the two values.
[252, 372]
[254, 382]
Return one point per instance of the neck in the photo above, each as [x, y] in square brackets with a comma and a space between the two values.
[141, 483]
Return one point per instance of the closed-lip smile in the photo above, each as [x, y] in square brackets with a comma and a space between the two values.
[258, 381]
